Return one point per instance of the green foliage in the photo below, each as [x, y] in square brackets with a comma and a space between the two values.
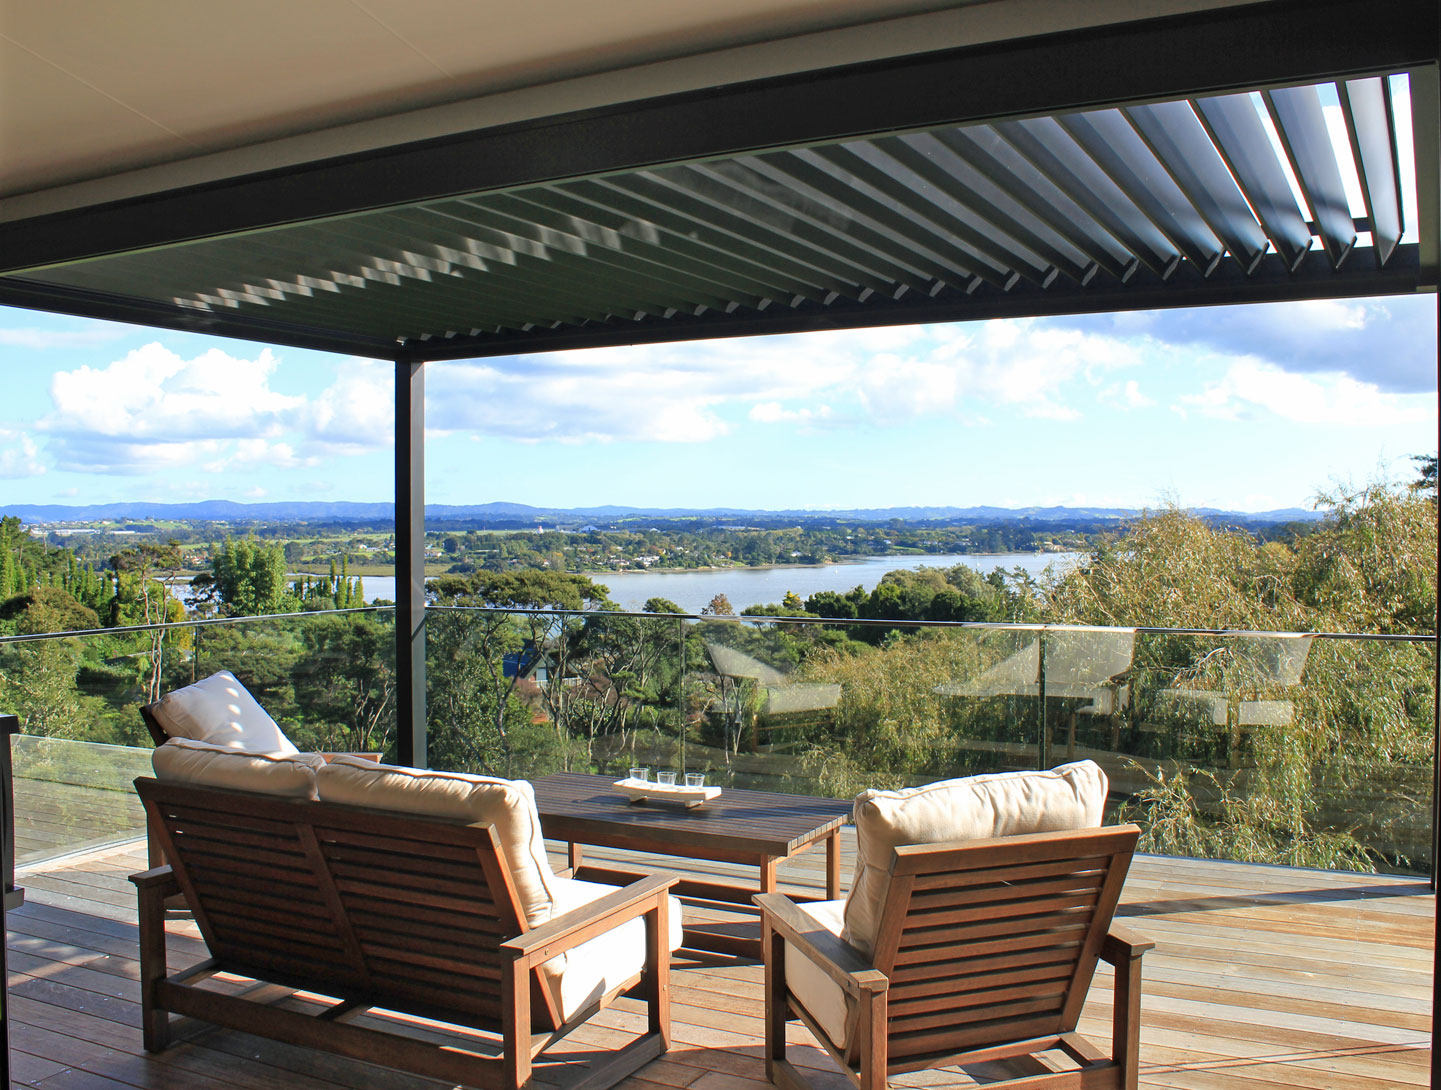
[248, 578]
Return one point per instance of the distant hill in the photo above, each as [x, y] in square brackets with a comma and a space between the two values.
[519, 513]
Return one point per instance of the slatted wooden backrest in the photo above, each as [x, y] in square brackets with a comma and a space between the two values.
[362, 904]
[992, 941]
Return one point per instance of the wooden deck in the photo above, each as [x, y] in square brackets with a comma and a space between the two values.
[1263, 978]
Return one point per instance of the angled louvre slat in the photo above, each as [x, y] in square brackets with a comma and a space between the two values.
[732, 234]
[1179, 141]
[1368, 120]
[610, 264]
[670, 251]
[1301, 124]
[988, 154]
[529, 289]
[1110, 140]
[837, 201]
[1237, 130]
[947, 206]
[1060, 158]
[774, 227]
[949, 182]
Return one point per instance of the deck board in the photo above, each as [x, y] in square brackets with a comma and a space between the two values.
[1263, 978]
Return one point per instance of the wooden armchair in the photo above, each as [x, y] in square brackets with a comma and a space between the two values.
[984, 951]
[409, 914]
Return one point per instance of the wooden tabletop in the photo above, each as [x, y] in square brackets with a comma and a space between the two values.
[588, 809]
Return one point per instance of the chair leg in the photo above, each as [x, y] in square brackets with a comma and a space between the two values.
[657, 971]
[154, 1020]
[1126, 1022]
[515, 1025]
[774, 951]
[872, 1028]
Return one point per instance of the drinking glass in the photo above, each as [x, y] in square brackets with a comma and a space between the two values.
[641, 773]
[695, 779]
[665, 779]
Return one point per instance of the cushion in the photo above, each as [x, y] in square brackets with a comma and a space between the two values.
[509, 805]
[974, 808]
[205, 764]
[221, 710]
[826, 1000]
[580, 976]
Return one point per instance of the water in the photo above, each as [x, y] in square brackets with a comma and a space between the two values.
[693, 590]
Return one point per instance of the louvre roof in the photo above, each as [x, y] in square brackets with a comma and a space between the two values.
[706, 215]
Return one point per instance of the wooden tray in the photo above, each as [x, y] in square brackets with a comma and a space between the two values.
[641, 791]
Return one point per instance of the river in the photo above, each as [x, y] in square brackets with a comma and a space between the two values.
[693, 590]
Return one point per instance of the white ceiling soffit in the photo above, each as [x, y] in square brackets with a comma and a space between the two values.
[148, 95]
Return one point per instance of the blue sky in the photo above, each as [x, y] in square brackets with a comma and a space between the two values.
[1248, 408]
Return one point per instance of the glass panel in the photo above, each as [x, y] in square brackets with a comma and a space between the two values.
[72, 795]
[1279, 749]
[521, 694]
[328, 679]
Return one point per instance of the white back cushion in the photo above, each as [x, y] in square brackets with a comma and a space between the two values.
[220, 710]
[974, 808]
[509, 805]
[204, 764]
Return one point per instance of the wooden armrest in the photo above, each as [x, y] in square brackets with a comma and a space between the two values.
[161, 878]
[840, 961]
[572, 928]
[1123, 944]
[363, 756]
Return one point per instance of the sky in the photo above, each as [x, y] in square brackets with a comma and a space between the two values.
[1243, 408]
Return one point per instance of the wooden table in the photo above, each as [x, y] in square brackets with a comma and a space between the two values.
[759, 828]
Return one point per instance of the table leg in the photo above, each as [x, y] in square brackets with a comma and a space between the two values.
[768, 873]
[573, 853]
[833, 865]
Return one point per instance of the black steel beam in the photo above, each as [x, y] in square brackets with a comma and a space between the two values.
[61, 299]
[1278, 42]
[410, 563]
[1228, 285]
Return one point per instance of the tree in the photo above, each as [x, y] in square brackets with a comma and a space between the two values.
[249, 579]
[136, 570]
[1426, 468]
[719, 606]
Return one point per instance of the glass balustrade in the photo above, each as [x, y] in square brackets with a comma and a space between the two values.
[1314, 750]
[1266, 747]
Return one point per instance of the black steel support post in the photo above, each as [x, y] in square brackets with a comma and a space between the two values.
[410, 562]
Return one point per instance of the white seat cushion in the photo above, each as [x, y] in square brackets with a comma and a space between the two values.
[205, 764]
[508, 805]
[581, 976]
[826, 1000]
[220, 710]
[973, 808]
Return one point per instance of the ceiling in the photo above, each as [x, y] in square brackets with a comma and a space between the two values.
[90, 88]
[1137, 164]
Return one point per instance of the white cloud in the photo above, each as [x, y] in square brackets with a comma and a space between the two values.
[697, 391]
[19, 456]
[154, 410]
[772, 412]
[1126, 395]
[356, 413]
[1251, 389]
[1388, 342]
